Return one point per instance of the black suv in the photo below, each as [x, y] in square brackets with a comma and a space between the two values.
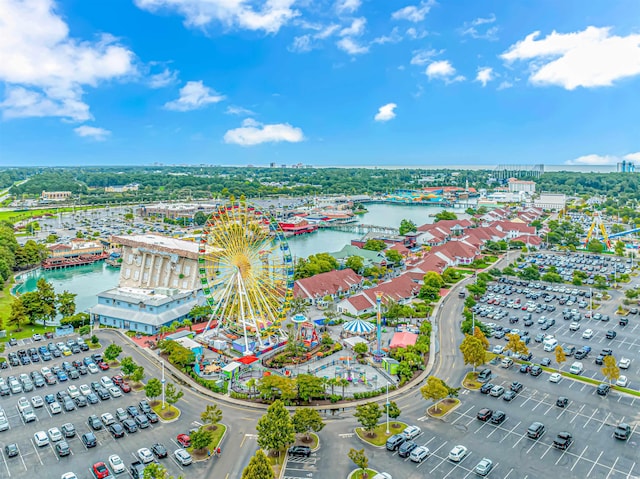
[486, 388]
[159, 450]
[563, 441]
[622, 431]
[611, 334]
[498, 417]
[535, 370]
[535, 430]
[603, 389]
[299, 451]
[405, 449]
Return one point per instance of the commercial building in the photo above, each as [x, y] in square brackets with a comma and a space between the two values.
[153, 261]
[517, 186]
[55, 195]
[122, 189]
[75, 248]
[550, 201]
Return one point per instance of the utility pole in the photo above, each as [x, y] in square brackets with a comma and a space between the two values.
[387, 407]
[163, 381]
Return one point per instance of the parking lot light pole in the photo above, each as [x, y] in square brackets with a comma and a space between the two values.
[387, 407]
[163, 384]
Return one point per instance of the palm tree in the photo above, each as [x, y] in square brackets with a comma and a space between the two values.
[344, 383]
[188, 323]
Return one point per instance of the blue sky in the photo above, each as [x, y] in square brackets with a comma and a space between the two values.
[340, 82]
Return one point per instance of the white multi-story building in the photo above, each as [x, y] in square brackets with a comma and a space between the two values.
[517, 186]
[550, 201]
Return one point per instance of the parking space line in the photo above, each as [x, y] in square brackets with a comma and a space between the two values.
[613, 467]
[588, 420]
[545, 452]
[605, 420]
[457, 465]
[509, 432]
[539, 402]
[462, 415]
[580, 457]
[37, 453]
[508, 473]
[594, 464]
[631, 470]
[5, 463]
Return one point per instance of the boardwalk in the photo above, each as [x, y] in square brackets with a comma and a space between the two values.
[360, 228]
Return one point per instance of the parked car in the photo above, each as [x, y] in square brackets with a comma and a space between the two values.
[458, 453]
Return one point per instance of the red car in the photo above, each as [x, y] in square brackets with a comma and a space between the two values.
[102, 365]
[100, 470]
[184, 440]
[125, 387]
[117, 379]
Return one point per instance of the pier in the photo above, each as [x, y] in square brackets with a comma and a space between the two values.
[360, 228]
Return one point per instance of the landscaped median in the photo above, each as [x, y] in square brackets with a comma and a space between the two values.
[378, 436]
[360, 474]
[168, 414]
[215, 434]
[470, 381]
[443, 407]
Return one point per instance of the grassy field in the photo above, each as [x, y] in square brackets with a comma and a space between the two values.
[15, 216]
[217, 434]
[380, 436]
[443, 407]
[470, 381]
[5, 301]
[359, 475]
[169, 411]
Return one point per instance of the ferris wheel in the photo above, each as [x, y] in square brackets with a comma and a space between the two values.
[246, 271]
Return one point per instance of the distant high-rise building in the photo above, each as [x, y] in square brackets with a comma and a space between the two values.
[626, 167]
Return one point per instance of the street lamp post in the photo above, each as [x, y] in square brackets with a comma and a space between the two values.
[163, 381]
[387, 407]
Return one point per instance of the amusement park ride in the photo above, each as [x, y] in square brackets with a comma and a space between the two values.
[597, 223]
[246, 270]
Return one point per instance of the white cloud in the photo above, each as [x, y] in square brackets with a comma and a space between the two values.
[165, 78]
[422, 57]
[504, 85]
[327, 31]
[393, 37]
[594, 160]
[416, 34]
[471, 28]
[355, 29]
[301, 44]
[194, 95]
[413, 13]
[347, 6]
[270, 17]
[386, 112]
[253, 133]
[443, 70]
[485, 75]
[98, 134]
[45, 70]
[590, 58]
[309, 41]
[633, 156]
[238, 110]
[351, 46]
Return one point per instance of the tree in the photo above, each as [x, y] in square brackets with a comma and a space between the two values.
[445, 215]
[47, 297]
[560, 356]
[434, 391]
[530, 273]
[394, 410]
[66, 303]
[595, 246]
[368, 416]
[356, 263]
[128, 366]
[361, 349]
[18, 315]
[153, 388]
[188, 323]
[172, 394]
[374, 245]
[619, 248]
[138, 374]
[473, 351]
[393, 256]
[407, 226]
[433, 279]
[306, 420]
[112, 352]
[275, 428]
[610, 370]
[155, 470]
[84, 330]
[94, 340]
[309, 387]
[516, 345]
[478, 333]
[359, 458]
[258, 467]
[212, 415]
[429, 293]
[200, 218]
[201, 438]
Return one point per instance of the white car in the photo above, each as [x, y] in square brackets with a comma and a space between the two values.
[93, 369]
[85, 390]
[115, 391]
[41, 439]
[73, 391]
[117, 466]
[23, 403]
[458, 453]
[542, 320]
[145, 455]
[54, 434]
[182, 456]
[55, 408]
[106, 382]
[419, 454]
[45, 370]
[622, 381]
[624, 363]
[36, 401]
[574, 326]
[68, 475]
[497, 349]
[107, 419]
[555, 378]
[588, 334]
[411, 432]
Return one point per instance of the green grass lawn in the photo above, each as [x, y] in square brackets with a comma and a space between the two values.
[15, 216]
[444, 407]
[5, 301]
[470, 381]
[27, 331]
[359, 475]
[379, 434]
[313, 440]
[217, 434]
[169, 411]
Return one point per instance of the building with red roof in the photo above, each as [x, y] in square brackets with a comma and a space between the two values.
[332, 283]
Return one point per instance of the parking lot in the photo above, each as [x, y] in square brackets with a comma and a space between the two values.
[43, 461]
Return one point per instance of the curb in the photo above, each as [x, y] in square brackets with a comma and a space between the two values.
[169, 421]
[356, 470]
[445, 414]
[226, 429]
